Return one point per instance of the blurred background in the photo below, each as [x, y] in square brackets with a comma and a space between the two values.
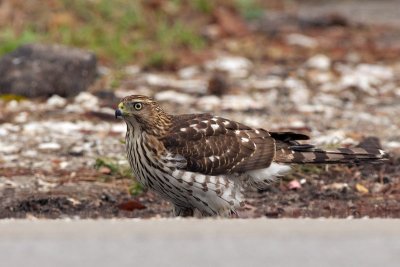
[329, 69]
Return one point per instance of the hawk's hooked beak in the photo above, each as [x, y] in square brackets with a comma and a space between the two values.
[119, 110]
[118, 113]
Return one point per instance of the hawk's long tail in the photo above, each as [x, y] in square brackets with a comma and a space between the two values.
[290, 151]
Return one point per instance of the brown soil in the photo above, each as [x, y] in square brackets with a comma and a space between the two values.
[94, 199]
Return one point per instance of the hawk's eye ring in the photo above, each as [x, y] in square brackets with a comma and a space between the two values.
[138, 106]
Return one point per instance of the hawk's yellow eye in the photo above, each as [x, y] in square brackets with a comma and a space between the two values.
[138, 106]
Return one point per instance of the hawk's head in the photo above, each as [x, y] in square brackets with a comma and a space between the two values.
[144, 112]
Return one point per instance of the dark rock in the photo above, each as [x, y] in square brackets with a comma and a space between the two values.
[217, 85]
[37, 70]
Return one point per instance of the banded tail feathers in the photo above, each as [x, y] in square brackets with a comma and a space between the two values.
[368, 151]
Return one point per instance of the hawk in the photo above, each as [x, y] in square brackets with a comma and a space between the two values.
[200, 162]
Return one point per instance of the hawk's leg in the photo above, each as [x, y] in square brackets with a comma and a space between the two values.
[183, 211]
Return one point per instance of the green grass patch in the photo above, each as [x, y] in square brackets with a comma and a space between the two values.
[135, 189]
[11, 97]
[120, 32]
[120, 170]
[9, 40]
[250, 9]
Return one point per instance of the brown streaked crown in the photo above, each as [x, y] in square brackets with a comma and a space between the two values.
[151, 118]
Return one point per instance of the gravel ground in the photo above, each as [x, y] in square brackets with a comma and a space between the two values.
[337, 83]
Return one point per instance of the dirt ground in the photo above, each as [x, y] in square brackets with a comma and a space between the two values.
[332, 78]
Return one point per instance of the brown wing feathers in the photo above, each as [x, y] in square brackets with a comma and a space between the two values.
[214, 145]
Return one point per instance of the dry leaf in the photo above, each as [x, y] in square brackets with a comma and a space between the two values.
[131, 205]
[362, 189]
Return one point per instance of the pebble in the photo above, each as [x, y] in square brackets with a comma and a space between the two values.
[378, 188]
[235, 66]
[335, 186]
[30, 153]
[87, 101]
[45, 186]
[49, 146]
[21, 117]
[175, 97]
[301, 40]
[8, 148]
[366, 77]
[188, 86]
[392, 144]
[319, 61]
[240, 103]
[188, 72]
[330, 138]
[3, 132]
[265, 84]
[105, 170]
[63, 164]
[74, 108]
[299, 93]
[209, 103]
[76, 151]
[56, 101]
[103, 70]
[132, 69]
[294, 185]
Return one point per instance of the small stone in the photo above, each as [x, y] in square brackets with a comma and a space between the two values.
[103, 70]
[3, 132]
[175, 97]
[378, 188]
[294, 185]
[56, 101]
[270, 83]
[105, 170]
[236, 66]
[393, 144]
[197, 86]
[335, 186]
[132, 69]
[301, 40]
[49, 146]
[76, 151]
[8, 149]
[217, 85]
[331, 138]
[299, 92]
[209, 103]
[30, 153]
[73, 108]
[367, 77]
[240, 103]
[74, 201]
[320, 62]
[63, 164]
[87, 101]
[188, 72]
[45, 186]
[21, 117]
